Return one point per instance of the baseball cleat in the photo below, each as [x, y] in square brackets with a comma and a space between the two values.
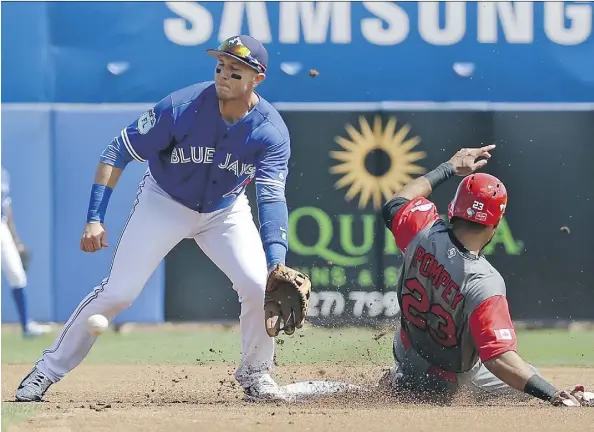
[264, 390]
[35, 329]
[389, 379]
[33, 387]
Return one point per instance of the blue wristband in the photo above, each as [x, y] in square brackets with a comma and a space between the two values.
[275, 254]
[98, 201]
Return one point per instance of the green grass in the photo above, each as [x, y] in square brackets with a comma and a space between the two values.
[557, 347]
[314, 345]
[16, 413]
[206, 347]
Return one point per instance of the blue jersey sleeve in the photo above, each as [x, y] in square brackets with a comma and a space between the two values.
[272, 171]
[271, 177]
[151, 133]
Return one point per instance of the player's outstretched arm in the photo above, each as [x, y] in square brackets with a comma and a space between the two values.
[463, 163]
[287, 290]
[408, 212]
[107, 175]
[139, 141]
[510, 368]
[94, 235]
[493, 332]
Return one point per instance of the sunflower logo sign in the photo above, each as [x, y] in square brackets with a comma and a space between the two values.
[350, 275]
[376, 161]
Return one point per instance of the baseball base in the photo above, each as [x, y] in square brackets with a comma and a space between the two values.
[306, 390]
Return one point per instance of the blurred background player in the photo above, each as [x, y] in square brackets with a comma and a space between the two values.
[15, 262]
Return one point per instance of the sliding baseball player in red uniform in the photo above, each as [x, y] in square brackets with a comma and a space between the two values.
[456, 330]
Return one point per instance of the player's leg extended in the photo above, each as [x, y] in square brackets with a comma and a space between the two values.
[414, 377]
[156, 224]
[231, 240]
[13, 270]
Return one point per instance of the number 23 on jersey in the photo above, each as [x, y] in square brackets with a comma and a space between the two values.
[417, 310]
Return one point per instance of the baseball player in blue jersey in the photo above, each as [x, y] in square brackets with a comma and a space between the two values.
[15, 262]
[203, 145]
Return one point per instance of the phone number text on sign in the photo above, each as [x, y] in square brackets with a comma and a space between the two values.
[356, 303]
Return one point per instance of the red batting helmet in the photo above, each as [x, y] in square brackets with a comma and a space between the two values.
[480, 198]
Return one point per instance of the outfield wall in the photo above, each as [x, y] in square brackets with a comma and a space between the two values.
[544, 158]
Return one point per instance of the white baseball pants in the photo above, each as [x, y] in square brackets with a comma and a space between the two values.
[157, 223]
[12, 266]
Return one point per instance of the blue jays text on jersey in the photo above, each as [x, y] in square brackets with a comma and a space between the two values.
[197, 158]
[205, 163]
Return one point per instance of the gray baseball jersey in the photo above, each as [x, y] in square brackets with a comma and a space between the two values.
[453, 302]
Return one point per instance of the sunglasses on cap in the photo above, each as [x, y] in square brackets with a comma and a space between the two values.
[242, 53]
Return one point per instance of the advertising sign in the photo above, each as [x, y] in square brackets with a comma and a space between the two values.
[498, 51]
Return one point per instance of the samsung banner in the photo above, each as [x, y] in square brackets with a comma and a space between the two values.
[364, 51]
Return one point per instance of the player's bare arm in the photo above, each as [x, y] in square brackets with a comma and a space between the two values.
[107, 175]
[510, 368]
[398, 210]
[464, 162]
[94, 235]
[492, 330]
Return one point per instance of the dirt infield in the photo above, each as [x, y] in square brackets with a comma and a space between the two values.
[203, 398]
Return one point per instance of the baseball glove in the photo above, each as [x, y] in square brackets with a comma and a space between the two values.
[577, 397]
[286, 300]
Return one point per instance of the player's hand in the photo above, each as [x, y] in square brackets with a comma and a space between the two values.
[465, 160]
[577, 397]
[565, 399]
[585, 398]
[94, 237]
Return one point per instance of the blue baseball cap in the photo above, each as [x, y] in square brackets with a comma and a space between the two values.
[246, 49]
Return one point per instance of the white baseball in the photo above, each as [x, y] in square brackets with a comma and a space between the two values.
[97, 324]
